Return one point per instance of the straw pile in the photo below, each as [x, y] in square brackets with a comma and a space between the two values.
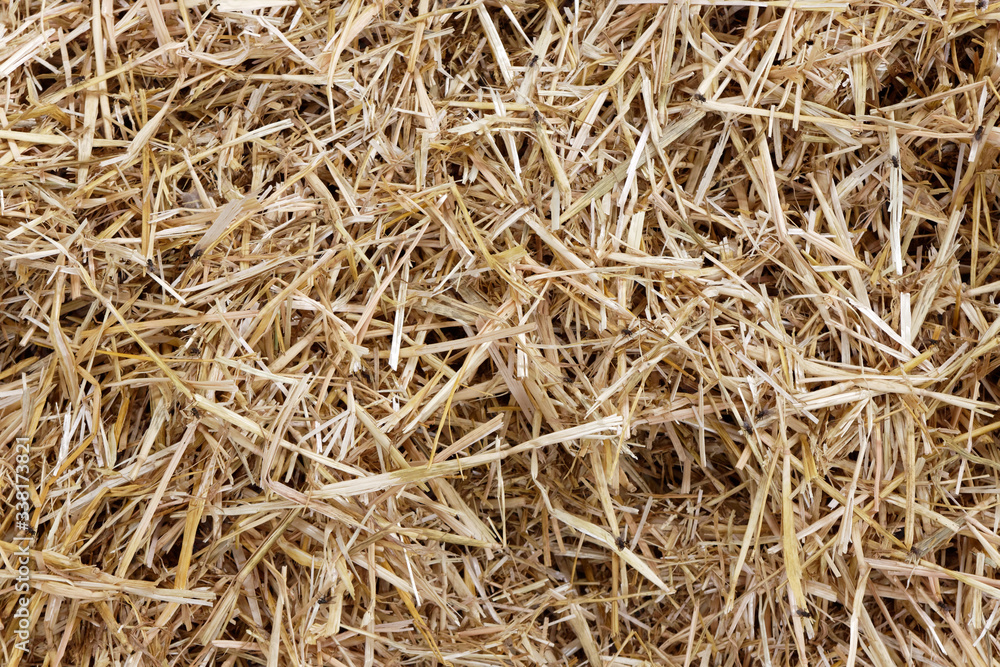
[501, 333]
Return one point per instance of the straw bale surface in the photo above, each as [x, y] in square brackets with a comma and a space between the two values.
[496, 332]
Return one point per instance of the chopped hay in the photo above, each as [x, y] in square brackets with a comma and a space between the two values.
[496, 333]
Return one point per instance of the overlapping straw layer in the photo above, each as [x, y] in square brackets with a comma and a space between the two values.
[501, 333]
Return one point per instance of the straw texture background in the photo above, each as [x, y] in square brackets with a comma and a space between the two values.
[490, 332]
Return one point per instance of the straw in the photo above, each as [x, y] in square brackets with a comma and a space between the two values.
[499, 333]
